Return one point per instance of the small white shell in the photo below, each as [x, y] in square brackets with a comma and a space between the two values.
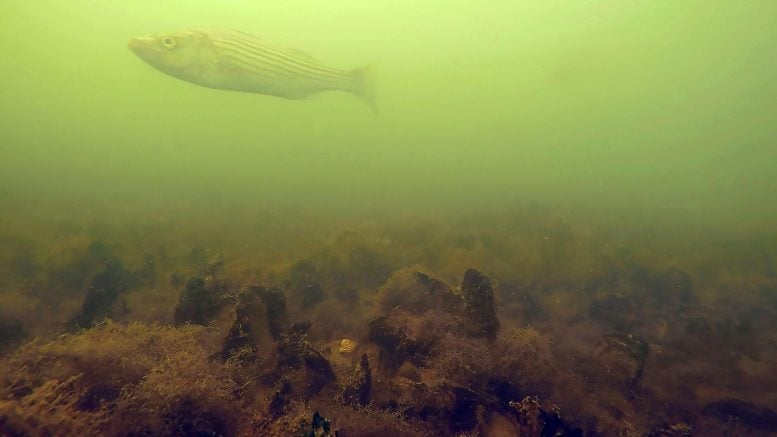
[347, 346]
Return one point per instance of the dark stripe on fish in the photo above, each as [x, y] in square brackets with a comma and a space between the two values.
[256, 43]
[255, 55]
[263, 70]
[262, 63]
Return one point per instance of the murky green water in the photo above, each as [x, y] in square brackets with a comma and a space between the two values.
[601, 174]
[651, 105]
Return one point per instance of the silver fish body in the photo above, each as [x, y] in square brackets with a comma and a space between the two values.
[237, 61]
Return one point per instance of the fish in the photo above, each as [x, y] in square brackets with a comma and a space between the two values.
[234, 60]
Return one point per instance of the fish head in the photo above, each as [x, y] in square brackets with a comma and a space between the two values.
[181, 54]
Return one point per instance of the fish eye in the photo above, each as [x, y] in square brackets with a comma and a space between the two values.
[168, 42]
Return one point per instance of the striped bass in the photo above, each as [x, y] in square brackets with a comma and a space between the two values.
[237, 61]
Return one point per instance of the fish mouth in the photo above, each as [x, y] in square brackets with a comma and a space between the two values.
[137, 44]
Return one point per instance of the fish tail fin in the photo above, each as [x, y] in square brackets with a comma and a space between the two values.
[364, 78]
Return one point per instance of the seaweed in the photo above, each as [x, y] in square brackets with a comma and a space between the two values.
[357, 389]
[197, 304]
[241, 339]
[11, 334]
[303, 284]
[318, 426]
[297, 354]
[281, 398]
[275, 304]
[118, 380]
[535, 420]
[615, 311]
[26, 265]
[479, 295]
[104, 290]
[416, 291]
[754, 416]
[596, 322]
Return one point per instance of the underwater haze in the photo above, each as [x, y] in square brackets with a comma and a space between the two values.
[652, 105]
[388, 217]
